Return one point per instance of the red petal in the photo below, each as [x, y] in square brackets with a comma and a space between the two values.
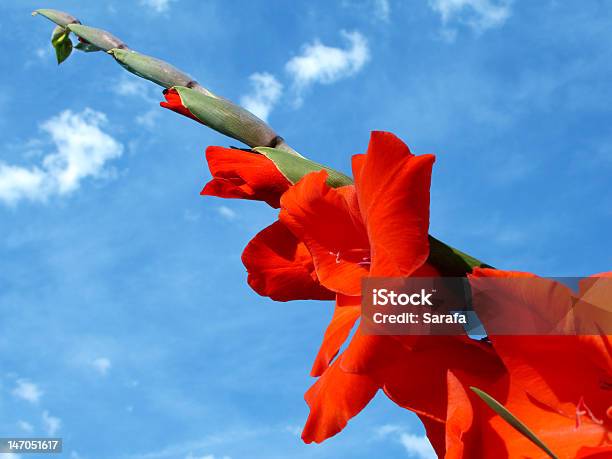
[596, 452]
[459, 417]
[327, 220]
[559, 385]
[175, 103]
[393, 190]
[348, 309]
[334, 399]
[244, 175]
[281, 267]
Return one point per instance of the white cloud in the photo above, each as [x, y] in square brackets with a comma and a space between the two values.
[266, 90]
[148, 119]
[388, 429]
[18, 183]
[27, 391]
[82, 150]
[477, 14]
[101, 365]
[324, 64]
[379, 10]
[51, 424]
[130, 86]
[227, 213]
[382, 9]
[294, 430]
[159, 6]
[417, 446]
[25, 426]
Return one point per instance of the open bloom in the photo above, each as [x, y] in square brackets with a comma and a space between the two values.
[560, 387]
[378, 227]
[174, 102]
[245, 175]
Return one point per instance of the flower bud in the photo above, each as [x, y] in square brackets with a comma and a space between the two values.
[59, 17]
[155, 70]
[97, 37]
[222, 116]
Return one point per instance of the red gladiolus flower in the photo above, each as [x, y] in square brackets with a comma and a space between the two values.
[377, 227]
[560, 387]
[175, 103]
[244, 175]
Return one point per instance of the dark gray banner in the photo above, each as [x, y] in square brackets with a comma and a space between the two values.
[487, 306]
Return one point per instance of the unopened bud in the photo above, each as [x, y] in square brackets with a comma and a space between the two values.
[97, 37]
[59, 17]
[155, 70]
[228, 118]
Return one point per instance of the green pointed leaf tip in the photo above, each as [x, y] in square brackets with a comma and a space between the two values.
[227, 118]
[86, 47]
[97, 37]
[295, 167]
[150, 68]
[59, 17]
[507, 416]
[61, 43]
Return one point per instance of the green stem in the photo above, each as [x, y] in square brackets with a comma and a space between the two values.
[228, 118]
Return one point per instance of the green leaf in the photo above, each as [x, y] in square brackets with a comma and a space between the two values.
[295, 167]
[507, 416]
[61, 42]
[227, 118]
[59, 17]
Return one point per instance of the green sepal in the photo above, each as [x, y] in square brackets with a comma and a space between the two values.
[227, 118]
[451, 262]
[97, 37]
[87, 47]
[61, 43]
[59, 17]
[295, 167]
[511, 419]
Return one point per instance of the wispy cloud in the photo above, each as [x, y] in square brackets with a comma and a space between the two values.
[158, 6]
[417, 446]
[27, 390]
[265, 92]
[382, 9]
[102, 365]
[208, 456]
[82, 150]
[25, 426]
[148, 119]
[319, 63]
[131, 86]
[479, 15]
[227, 213]
[51, 424]
[378, 10]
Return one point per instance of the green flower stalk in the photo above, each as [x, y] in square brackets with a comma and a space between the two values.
[186, 96]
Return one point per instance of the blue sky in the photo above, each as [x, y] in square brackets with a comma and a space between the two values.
[127, 326]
